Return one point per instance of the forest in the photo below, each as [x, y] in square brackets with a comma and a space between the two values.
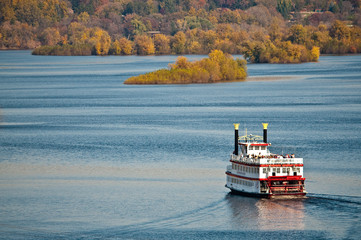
[273, 31]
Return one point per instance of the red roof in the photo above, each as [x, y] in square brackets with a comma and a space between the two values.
[256, 144]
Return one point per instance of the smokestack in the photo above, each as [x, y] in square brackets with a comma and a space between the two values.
[236, 125]
[265, 132]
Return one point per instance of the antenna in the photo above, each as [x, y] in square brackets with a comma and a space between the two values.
[246, 135]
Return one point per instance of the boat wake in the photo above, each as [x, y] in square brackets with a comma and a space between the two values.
[356, 200]
[183, 220]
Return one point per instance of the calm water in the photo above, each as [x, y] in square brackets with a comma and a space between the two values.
[83, 156]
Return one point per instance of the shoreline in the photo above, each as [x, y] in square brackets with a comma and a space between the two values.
[248, 79]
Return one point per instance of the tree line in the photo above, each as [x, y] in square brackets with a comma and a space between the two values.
[262, 30]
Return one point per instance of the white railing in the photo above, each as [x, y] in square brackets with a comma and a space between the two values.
[266, 160]
[281, 160]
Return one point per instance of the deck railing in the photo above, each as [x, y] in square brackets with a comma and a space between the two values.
[266, 160]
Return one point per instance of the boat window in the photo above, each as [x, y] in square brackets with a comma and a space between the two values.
[264, 170]
[278, 170]
[284, 170]
[263, 148]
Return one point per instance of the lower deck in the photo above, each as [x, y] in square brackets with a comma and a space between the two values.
[290, 185]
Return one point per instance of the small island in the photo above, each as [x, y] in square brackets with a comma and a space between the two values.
[218, 67]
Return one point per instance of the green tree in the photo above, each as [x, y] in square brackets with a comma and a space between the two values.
[138, 27]
[284, 7]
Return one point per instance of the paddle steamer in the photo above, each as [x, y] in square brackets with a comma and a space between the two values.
[255, 171]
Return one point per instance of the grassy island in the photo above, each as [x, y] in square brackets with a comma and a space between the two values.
[218, 67]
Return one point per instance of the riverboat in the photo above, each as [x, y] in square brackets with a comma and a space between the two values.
[255, 171]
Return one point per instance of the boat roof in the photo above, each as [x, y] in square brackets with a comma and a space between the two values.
[254, 144]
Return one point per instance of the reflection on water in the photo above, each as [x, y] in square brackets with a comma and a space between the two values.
[266, 214]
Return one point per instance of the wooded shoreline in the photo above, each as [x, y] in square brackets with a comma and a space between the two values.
[264, 31]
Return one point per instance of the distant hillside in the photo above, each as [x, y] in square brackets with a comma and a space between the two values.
[263, 30]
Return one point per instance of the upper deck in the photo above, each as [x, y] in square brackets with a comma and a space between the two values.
[267, 160]
[254, 151]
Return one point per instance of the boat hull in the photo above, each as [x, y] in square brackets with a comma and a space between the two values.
[267, 195]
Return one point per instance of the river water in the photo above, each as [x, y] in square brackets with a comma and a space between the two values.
[83, 156]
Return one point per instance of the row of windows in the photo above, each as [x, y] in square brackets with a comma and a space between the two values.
[265, 170]
[245, 168]
[257, 147]
[240, 181]
[278, 170]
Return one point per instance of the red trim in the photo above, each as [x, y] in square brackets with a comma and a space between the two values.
[255, 144]
[248, 178]
[287, 178]
[287, 194]
[281, 165]
[270, 178]
[268, 165]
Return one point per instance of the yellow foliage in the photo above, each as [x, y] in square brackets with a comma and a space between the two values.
[126, 46]
[218, 67]
[144, 45]
[161, 44]
[315, 54]
[181, 63]
[100, 39]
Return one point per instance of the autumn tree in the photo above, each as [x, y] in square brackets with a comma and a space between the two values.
[178, 43]
[339, 31]
[298, 34]
[144, 45]
[100, 39]
[122, 46]
[77, 33]
[50, 36]
[161, 44]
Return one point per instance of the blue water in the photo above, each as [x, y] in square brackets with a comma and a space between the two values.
[83, 156]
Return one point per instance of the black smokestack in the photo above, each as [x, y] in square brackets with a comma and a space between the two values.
[265, 132]
[236, 125]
